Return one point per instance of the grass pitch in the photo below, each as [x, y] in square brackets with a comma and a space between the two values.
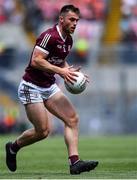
[47, 159]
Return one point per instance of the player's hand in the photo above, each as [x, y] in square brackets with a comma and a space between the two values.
[78, 69]
[68, 73]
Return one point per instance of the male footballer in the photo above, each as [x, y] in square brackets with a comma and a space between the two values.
[39, 92]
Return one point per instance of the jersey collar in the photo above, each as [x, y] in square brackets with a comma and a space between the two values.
[60, 33]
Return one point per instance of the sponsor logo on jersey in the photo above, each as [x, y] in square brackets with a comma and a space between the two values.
[55, 60]
[59, 46]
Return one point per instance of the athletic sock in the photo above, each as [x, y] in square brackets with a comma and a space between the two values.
[73, 159]
[14, 147]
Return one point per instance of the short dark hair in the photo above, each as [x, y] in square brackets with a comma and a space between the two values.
[70, 7]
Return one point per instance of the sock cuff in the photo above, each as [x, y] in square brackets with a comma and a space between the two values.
[73, 159]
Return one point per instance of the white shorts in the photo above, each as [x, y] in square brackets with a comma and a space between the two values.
[30, 93]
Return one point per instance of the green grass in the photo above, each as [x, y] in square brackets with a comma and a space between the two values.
[48, 159]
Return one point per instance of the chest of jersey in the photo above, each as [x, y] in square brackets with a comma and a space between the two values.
[59, 52]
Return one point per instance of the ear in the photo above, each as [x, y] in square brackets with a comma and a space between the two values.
[61, 19]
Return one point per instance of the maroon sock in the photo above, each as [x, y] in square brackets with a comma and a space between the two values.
[15, 147]
[73, 159]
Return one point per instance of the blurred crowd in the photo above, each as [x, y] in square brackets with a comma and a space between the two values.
[16, 10]
[33, 15]
[128, 26]
[10, 11]
[34, 12]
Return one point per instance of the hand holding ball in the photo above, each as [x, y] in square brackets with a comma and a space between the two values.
[78, 86]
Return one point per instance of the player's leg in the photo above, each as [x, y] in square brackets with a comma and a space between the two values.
[61, 107]
[37, 115]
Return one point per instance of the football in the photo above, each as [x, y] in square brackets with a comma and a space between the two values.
[78, 86]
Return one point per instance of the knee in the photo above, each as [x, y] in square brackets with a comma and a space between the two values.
[73, 121]
[43, 133]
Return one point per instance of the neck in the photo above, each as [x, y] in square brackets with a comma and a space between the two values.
[61, 31]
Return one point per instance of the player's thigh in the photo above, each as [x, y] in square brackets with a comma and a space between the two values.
[37, 114]
[60, 106]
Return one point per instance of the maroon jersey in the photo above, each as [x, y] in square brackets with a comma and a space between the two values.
[52, 43]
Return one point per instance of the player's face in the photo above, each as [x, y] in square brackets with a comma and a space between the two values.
[69, 22]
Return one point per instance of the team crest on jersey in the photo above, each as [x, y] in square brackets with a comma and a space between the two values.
[64, 47]
[59, 46]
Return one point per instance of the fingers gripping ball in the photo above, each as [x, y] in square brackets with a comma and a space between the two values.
[78, 86]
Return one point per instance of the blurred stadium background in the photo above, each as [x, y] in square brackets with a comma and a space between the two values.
[105, 44]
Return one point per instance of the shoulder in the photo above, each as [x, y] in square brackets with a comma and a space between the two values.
[47, 40]
[49, 34]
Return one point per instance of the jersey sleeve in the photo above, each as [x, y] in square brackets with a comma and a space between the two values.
[45, 42]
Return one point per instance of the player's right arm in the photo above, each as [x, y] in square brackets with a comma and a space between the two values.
[39, 61]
